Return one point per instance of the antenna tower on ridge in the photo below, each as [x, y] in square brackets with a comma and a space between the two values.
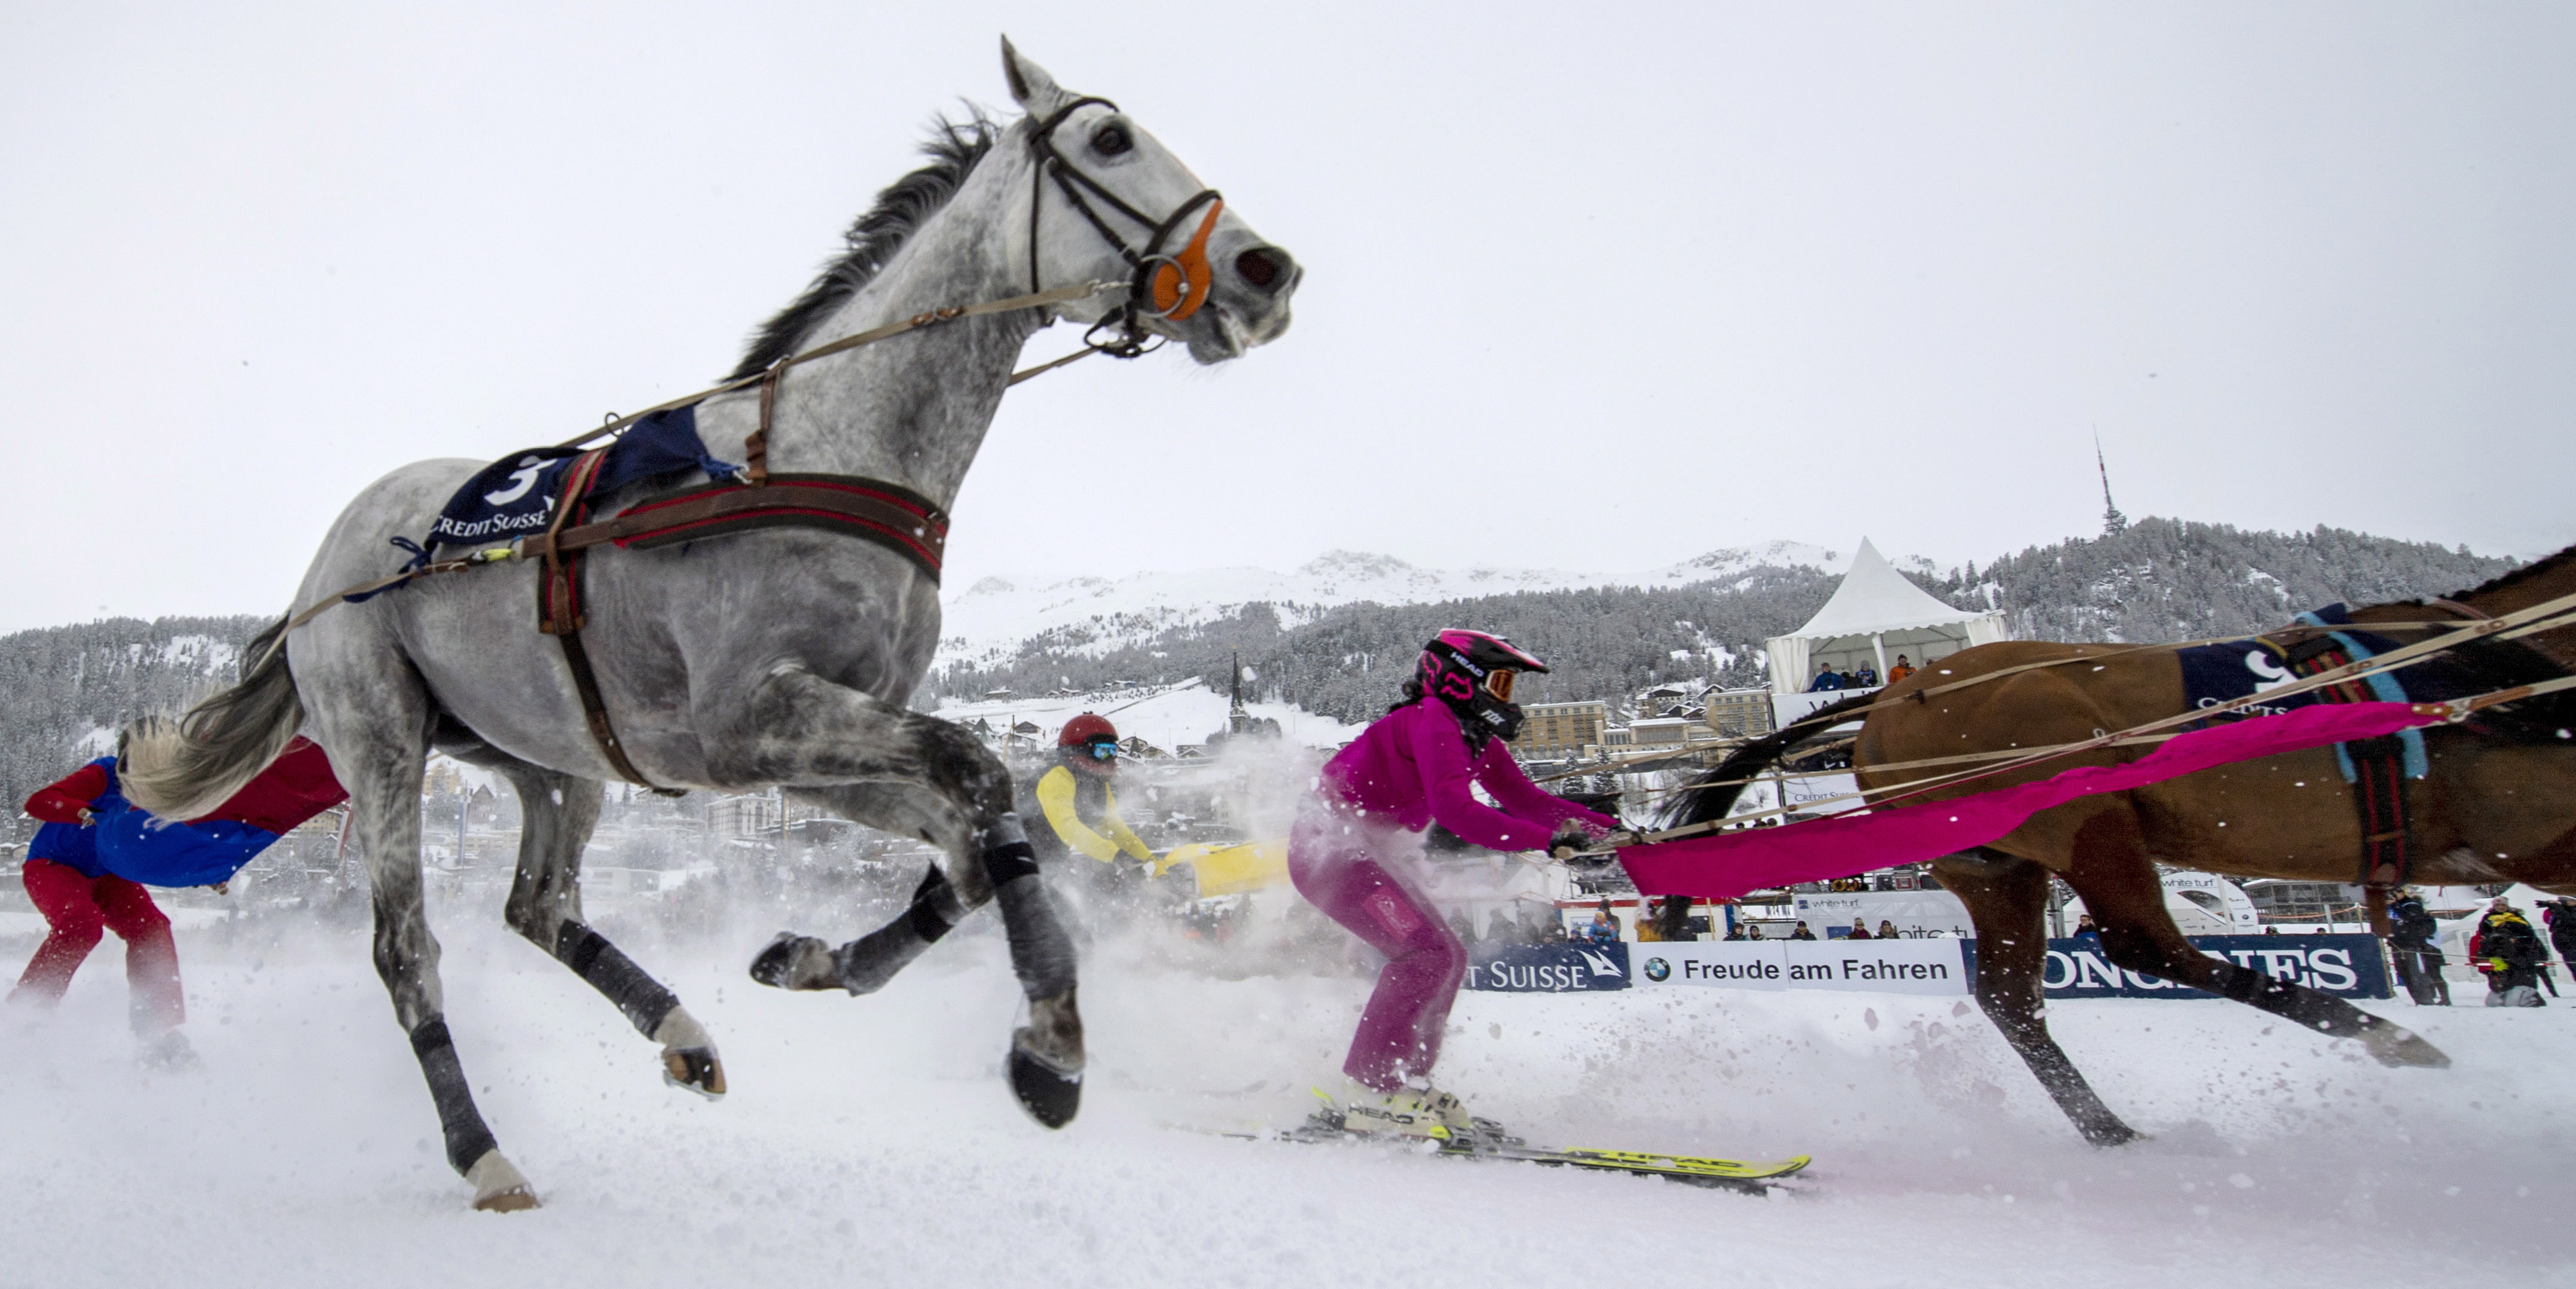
[2113, 522]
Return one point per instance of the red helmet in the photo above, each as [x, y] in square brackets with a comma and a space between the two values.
[1086, 728]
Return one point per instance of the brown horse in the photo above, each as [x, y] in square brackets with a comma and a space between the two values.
[2499, 805]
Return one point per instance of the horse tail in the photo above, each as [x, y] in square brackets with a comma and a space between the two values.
[184, 768]
[1706, 804]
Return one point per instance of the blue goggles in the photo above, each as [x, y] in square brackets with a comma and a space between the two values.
[1102, 750]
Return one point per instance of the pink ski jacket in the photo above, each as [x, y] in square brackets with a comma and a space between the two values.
[1411, 769]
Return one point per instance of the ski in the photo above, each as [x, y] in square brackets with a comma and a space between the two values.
[1489, 1141]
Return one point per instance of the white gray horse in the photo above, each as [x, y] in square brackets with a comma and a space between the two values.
[779, 656]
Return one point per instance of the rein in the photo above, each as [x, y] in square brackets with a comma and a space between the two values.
[2549, 615]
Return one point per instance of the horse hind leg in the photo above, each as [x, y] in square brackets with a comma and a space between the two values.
[558, 812]
[2006, 898]
[2127, 900]
[377, 728]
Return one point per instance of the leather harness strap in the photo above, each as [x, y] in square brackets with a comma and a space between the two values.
[890, 515]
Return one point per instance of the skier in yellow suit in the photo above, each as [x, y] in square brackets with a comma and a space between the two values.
[1075, 798]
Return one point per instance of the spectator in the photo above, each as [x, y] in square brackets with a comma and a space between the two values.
[1463, 926]
[1737, 931]
[1802, 933]
[2509, 952]
[1886, 929]
[1849, 680]
[1867, 677]
[2086, 932]
[2271, 930]
[1826, 679]
[1859, 931]
[1542, 924]
[2410, 946]
[1900, 671]
[1650, 915]
[1672, 921]
[1604, 926]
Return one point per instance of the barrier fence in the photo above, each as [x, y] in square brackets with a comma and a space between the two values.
[2347, 966]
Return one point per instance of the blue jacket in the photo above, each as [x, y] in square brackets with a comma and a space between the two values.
[75, 846]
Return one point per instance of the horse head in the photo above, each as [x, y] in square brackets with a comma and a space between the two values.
[1109, 202]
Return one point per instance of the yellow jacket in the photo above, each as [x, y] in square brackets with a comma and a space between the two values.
[1055, 796]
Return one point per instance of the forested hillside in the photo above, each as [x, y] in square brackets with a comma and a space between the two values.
[2166, 579]
[2158, 579]
[64, 691]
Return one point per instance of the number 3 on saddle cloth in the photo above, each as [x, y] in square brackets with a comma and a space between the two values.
[140, 846]
[540, 500]
[2377, 768]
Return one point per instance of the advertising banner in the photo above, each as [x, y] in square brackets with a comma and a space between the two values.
[2347, 966]
[1548, 968]
[1914, 914]
[1866, 966]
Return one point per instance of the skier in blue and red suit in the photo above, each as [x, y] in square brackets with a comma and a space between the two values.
[87, 868]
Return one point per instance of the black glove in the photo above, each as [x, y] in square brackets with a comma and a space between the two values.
[1570, 837]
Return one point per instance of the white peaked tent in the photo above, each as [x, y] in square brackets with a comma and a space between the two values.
[1874, 616]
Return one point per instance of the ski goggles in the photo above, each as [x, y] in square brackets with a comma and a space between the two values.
[1498, 683]
[1102, 750]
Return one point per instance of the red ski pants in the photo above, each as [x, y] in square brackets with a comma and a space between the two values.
[78, 909]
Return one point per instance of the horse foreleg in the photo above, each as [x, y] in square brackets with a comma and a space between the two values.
[864, 965]
[558, 812]
[2127, 901]
[2006, 898]
[843, 737]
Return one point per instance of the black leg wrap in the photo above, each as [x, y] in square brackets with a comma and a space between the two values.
[1041, 953]
[611, 972]
[467, 1137]
[2324, 1013]
[1010, 862]
[924, 915]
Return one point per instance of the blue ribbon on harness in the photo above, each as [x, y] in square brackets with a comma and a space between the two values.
[2383, 686]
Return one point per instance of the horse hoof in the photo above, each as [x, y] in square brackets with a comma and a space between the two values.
[792, 961]
[517, 1199]
[2397, 1047]
[694, 1069]
[1051, 1096]
[498, 1185]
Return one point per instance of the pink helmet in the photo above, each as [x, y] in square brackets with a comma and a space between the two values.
[1475, 674]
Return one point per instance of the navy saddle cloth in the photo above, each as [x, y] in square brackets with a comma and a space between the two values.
[516, 495]
[2219, 673]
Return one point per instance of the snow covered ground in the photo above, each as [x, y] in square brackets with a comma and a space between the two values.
[870, 1141]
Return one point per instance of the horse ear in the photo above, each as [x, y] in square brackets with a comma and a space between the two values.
[1031, 87]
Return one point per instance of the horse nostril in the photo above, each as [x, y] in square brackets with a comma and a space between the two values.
[1257, 267]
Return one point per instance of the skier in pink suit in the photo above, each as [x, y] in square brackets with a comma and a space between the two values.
[1355, 834]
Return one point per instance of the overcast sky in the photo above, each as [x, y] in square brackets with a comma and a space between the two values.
[1588, 286]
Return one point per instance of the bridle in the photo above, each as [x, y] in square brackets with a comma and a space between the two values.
[1160, 285]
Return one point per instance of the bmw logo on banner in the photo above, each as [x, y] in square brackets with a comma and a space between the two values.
[1658, 970]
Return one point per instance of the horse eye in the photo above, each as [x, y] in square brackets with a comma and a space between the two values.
[1110, 140]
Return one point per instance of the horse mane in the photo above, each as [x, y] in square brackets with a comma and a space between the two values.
[1707, 805]
[2541, 567]
[954, 149]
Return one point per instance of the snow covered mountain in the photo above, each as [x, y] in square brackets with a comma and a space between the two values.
[993, 618]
